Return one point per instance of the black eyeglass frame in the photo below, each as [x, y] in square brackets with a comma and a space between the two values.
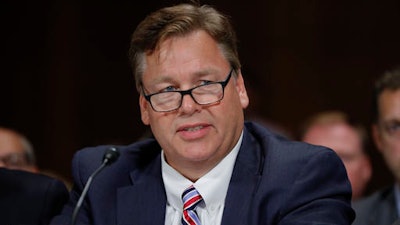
[16, 160]
[189, 92]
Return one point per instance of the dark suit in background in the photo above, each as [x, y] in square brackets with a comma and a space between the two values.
[28, 198]
[397, 222]
[376, 209]
[274, 181]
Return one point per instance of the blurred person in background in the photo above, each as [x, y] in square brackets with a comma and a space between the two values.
[16, 151]
[334, 129]
[383, 206]
[26, 196]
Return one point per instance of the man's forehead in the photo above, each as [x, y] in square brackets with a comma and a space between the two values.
[334, 136]
[9, 142]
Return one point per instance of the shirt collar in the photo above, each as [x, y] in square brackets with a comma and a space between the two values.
[213, 186]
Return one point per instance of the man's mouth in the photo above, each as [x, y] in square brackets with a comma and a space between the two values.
[196, 128]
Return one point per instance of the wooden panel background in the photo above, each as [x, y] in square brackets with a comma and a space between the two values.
[66, 81]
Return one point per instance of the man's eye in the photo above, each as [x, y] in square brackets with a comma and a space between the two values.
[169, 88]
[204, 82]
[392, 128]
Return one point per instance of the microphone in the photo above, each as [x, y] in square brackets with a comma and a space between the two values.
[111, 155]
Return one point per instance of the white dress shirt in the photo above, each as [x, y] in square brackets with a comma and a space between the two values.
[212, 187]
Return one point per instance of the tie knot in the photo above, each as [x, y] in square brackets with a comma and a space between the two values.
[191, 198]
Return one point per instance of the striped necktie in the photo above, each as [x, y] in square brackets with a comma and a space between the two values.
[191, 198]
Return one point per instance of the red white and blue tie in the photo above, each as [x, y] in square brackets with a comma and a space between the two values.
[191, 198]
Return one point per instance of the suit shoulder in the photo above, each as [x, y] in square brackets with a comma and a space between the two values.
[273, 143]
[33, 187]
[37, 197]
[133, 155]
[26, 179]
[376, 199]
[274, 152]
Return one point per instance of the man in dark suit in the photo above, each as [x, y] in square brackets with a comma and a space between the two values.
[192, 94]
[28, 199]
[381, 207]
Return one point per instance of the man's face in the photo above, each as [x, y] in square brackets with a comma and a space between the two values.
[193, 136]
[386, 132]
[12, 155]
[347, 143]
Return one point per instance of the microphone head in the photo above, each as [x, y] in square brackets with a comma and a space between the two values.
[111, 155]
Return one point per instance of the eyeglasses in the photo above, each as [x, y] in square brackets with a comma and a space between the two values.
[14, 160]
[391, 128]
[205, 94]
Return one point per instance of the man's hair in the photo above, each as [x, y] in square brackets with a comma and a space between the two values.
[333, 117]
[28, 149]
[390, 80]
[178, 21]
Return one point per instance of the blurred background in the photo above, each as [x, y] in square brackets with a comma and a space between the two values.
[67, 84]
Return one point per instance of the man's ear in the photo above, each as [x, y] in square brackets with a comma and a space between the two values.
[241, 89]
[144, 110]
[377, 136]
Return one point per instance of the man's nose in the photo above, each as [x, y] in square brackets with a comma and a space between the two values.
[189, 105]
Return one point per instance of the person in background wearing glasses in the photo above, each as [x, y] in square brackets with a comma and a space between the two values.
[383, 206]
[26, 196]
[228, 171]
[16, 152]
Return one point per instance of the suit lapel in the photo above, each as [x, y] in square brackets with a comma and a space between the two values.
[386, 212]
[243, 184]
[144, 202]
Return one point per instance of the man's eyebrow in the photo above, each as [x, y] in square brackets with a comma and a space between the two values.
[393, 120]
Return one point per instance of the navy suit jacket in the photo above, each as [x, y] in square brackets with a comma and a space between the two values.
[377, 209]
[28, 198]
[274, 181]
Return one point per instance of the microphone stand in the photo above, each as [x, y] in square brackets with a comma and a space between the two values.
[110, 156]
